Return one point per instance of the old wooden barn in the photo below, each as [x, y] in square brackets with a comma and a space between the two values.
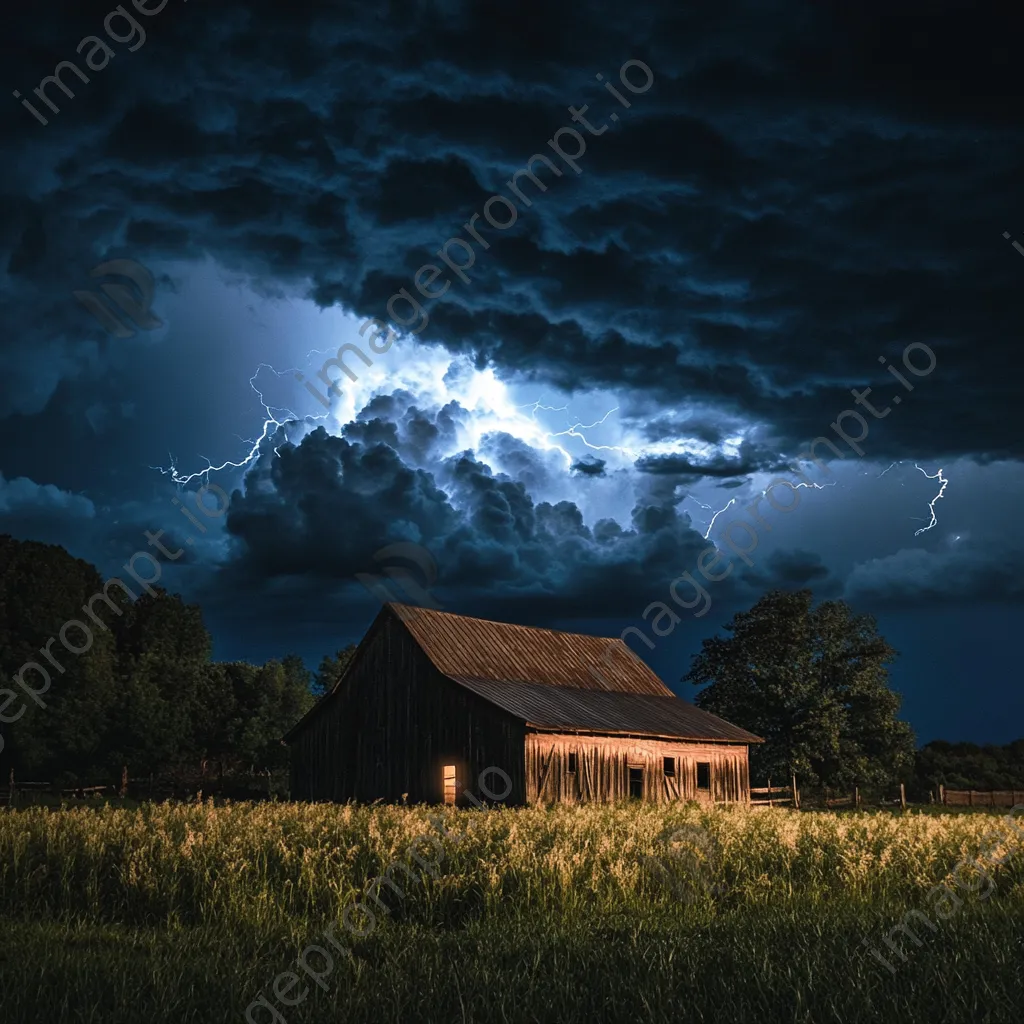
[431, 699]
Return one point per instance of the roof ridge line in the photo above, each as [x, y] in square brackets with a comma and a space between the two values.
[501, 622]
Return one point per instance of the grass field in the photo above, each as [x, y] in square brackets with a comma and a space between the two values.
[189, 913]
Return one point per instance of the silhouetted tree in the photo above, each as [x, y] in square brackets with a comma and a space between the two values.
[330, 670]
[969, 766]
[812, 681]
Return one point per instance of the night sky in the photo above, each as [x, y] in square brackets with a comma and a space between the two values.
[782, 203]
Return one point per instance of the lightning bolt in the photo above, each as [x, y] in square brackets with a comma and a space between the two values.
[732, 501]
[534, 406]
[574, 431]
[269, 424]
[931, 504]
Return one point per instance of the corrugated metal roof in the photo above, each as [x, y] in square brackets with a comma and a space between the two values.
[573, 709]
[504, 652]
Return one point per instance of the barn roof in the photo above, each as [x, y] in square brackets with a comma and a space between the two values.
[550, 680]
[563, 681]
[563, 708]
[460, 646]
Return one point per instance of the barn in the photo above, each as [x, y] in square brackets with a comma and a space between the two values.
[431, 699]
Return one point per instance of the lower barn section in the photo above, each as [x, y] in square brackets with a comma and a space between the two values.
[571, 768]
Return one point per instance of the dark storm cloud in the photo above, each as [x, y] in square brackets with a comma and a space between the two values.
[316, 510]
[800, 191]
[967, 574]
[794, 569]
[588, 466]
[750, 459]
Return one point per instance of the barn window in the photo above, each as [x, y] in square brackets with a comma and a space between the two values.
[449, 783]
[572, 763]
[703, 775]
[670, 766]
[636, 783]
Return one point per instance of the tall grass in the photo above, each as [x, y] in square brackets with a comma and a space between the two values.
[261, 863]
[188, 911]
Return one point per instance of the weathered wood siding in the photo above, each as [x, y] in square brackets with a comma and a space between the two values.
[395, 725]
[603, 763]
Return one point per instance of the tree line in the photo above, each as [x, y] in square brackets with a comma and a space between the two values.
[146, 693]
[812, 680]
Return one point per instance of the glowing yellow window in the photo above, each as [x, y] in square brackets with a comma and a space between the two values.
[449, 783]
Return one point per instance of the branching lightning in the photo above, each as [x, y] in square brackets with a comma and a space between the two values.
[709, 508]
[534, 406]
[270, 423]
[732, 501]
[931, 504]
[574, 431]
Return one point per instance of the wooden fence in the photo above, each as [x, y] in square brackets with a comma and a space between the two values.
[776, 796]
[783, 796]
[780, 796]
[151, 788]
[980, 798]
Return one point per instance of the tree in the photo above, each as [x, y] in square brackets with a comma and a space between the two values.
[43, 590]
[165, 703]
[813, 683]
[331, 669]
[267, 701]
[970, 766]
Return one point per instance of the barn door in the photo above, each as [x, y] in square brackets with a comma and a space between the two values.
[704, 769]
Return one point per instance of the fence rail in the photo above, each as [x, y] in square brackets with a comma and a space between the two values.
[980, 798]
[147, 788]
[786, 795]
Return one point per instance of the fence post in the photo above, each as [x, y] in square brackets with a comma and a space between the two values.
[856, 797]
[123, 791]
[770, 791]
[796, 793]
[903, 797]
[10, 789]
[942, 794]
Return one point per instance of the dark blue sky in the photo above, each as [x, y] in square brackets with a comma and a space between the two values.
[795, 194]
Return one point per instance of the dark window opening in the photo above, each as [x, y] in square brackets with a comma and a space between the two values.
[703, 775]
[670, 766]
[572, 764]
[636, 783]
